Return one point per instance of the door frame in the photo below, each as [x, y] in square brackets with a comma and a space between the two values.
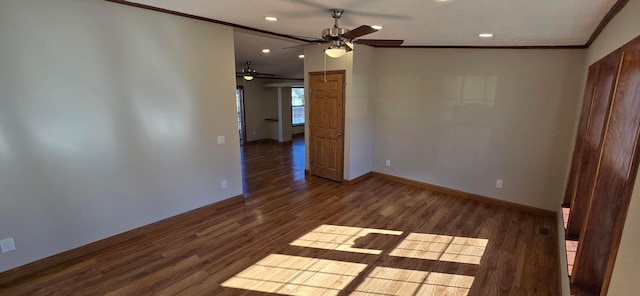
[243, 120]
[309, 111]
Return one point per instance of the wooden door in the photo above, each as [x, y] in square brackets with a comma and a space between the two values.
[326, 124]
[605, 72]
[574, 173]
[602, 229]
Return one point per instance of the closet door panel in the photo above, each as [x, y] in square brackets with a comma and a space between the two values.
[570, 189]
[591, 143]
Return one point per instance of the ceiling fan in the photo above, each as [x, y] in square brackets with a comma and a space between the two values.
[339, 38]
[249, 73]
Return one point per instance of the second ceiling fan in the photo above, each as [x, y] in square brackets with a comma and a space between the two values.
[339, 38]
[249, 73]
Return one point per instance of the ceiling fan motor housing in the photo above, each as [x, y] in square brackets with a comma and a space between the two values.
[333, 33]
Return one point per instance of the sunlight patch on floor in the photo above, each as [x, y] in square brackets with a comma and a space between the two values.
[441, 248]
[296, 275]
[340, 238]
[394, 281]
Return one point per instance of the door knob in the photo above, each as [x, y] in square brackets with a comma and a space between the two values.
[338, 134]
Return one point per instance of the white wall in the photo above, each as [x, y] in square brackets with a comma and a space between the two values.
[624, 280]
[359, 117]
[108, 121]
[284, 114]
[462, 118]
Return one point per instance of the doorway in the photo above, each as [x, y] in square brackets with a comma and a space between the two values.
[240, 111]
[326, 126]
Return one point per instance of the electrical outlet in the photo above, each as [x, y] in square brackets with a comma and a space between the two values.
[7, 245]
[499, 183]
[223, 184]
[220, 139]
[388, 162]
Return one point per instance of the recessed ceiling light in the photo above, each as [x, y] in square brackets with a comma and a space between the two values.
[376, 27]
[442, 0]
[271, 18]
[485, 35]
[266, 50]
[301, 56]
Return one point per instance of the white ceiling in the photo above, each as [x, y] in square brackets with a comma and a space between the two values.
[418, 22]
[282, 63]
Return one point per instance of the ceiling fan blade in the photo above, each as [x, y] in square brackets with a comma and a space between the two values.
[318, 41]
[359, 31]
[240, 74]
[347, 47]
[380, 42]
[295, 46]
[263, 74]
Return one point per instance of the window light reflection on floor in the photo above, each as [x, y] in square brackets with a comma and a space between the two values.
[295, 275]
[394, 281]
[340, 238]
[442, 248]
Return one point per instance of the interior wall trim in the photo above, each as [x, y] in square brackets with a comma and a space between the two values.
[200, 18]
[476, 197]
[357, 179]
[73, 255]
[490, 47]
[615, 9]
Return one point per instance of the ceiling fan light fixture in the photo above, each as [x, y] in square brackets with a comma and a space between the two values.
[247, 77]
[335, 52]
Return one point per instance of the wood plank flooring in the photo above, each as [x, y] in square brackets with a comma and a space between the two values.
[298, 235]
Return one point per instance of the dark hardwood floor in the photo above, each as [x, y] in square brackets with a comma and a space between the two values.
[298, 235]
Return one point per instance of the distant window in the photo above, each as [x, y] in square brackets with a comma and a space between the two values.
[297, 106]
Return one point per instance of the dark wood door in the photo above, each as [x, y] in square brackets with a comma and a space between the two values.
[602, 229]
[606, 71]
[574, 173]
[326, 126]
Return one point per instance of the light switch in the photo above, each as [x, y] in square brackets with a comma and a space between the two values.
[220, 139]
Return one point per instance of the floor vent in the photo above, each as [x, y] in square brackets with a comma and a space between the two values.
[543, 231]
